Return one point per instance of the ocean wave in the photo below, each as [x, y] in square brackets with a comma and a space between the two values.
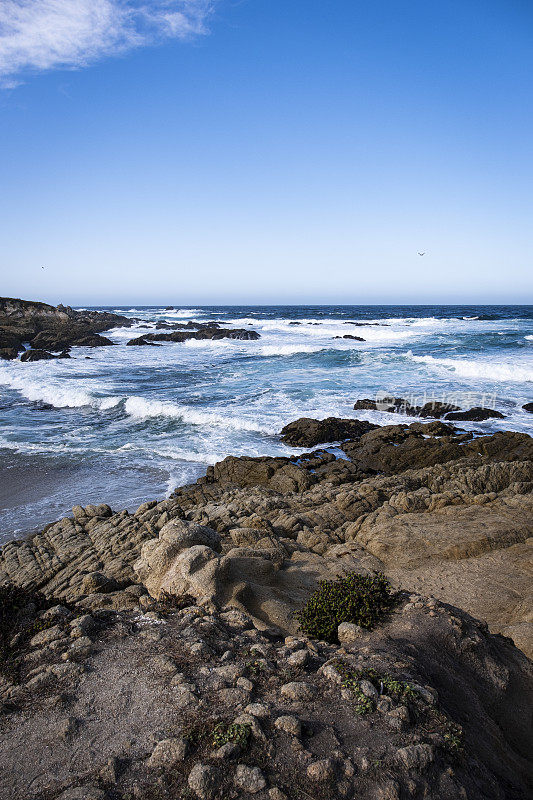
[181, 313]
[141, 408]
[288, 349]
[529, 338]
[56, 395]
[484, 370]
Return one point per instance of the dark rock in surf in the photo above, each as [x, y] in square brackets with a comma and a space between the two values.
[476, 414]
[305, 432]
[94, 341]
[528, 407]
[141, 342]
[351, 336]
[205, 332]
[397, 405]
[37, 355]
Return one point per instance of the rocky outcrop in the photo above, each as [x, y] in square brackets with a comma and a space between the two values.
[528, 407]
[52, 328]
[458, 528]
[394, 448]
[305, 432]
[208, 331]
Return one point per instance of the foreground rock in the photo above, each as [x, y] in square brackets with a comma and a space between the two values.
[50, 328]
[184, 703]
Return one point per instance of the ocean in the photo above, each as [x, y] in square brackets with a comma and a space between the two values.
[123, 425]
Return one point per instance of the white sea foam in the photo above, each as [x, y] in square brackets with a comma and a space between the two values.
[529, 338]
[288, 349]
[143, 408]
[56, 393]
[181, 313]
[481, 369]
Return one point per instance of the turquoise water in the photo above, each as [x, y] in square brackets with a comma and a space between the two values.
[129, 424]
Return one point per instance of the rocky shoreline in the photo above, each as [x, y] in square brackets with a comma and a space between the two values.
[162, 656]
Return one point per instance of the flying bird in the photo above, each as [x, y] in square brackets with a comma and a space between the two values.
[421, 254]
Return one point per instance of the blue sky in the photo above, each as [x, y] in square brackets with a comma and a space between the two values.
[256, 151]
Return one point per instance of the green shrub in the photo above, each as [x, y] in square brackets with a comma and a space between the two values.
[361, 599]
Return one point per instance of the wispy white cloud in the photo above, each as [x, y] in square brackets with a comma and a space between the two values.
[38, 35]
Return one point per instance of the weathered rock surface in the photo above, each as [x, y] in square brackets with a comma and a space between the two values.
[395, 448]
[153, 708]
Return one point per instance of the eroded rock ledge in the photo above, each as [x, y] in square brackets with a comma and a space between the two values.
[456, 524]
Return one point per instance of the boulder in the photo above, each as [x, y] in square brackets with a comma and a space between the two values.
[181, 561]
[96, 582]
[528, 407]
[305, 432]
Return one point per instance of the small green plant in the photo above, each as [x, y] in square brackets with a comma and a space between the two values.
[399, 690]
[365, 600]
[350, 680]
[254, 667]
[453, 742]
[235, 733]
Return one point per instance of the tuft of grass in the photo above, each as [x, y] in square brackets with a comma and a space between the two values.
[364, 600]
[235, 733]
